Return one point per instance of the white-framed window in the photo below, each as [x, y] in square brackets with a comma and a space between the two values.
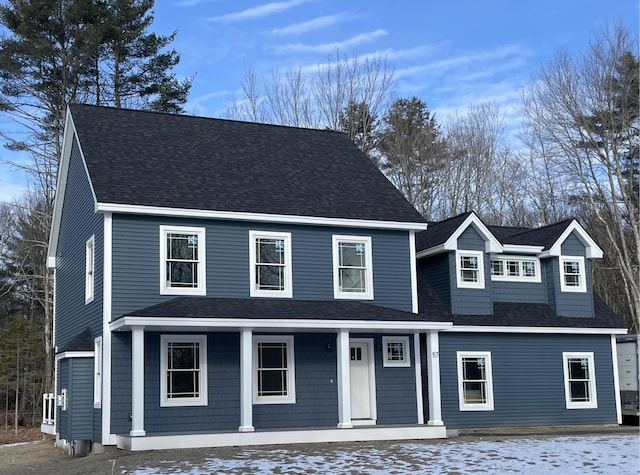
[182, 260]
[183, 370]
[273, 370]
[572, 274]
[475, 381]
[395, 351]
[352, 267]
[97, 372]
[470, 269]
[270, 261]
[89, 277]
[579, 380]
[515, 269]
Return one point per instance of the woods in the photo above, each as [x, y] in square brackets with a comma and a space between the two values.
[576, 152]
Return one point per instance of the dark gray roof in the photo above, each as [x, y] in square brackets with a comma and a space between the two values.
[544, 236]
[242, 308]
[81, 342]
[439, 231]
[187, 162]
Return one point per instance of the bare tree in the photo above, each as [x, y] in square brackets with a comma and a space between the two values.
[582, 115]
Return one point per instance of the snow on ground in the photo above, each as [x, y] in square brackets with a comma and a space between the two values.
[606, 454]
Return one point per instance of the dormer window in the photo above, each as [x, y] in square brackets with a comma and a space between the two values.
[470, 269]
[515, 269]
[572, 274]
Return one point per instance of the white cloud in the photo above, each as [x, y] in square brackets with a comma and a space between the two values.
[329, 47]
[257, 12]
[193, 3]
[311, 25]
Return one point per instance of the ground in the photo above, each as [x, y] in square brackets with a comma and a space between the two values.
[586, 450]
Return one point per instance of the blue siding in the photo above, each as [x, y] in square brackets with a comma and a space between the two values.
[76, 376]
[574, 304]
[136, 261]
[437, 270]
[78, 223]
[63, 417]
[120, 383]
[528, 380]
[471, 301]
[525, 292]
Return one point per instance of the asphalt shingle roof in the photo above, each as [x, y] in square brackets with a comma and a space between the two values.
[438, 232]
[188, 162]
[81, 342]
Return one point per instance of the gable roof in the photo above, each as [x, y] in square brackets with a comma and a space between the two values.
[167, 161]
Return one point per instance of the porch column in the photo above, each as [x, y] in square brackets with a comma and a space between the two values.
[137, 382]
[246, 381]
[433, 378]
[344, 381]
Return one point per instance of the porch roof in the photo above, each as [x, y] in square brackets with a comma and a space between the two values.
[275, 313]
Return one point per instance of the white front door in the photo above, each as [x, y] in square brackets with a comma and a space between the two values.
[361, 359]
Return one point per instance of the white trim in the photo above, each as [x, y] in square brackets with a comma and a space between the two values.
[491, 243]
[537, 278]
[582, 274]
[258, 217]
[107, 280]
[433, 379]
[466, 406]
[414, 271]
[418, 372]
[269, 324]
[287, 292]
[616, 378]
[74, 354]
[406, 352]
[344, 381]
[203, 398]
[522, 249]
[200, 232]
[593, 401]
[540, 330]
[246, 381]
[137, 382]
[290, 398]
[338, 239]
[479, 255]
[592, 249]
[373, 406]
[89, 269]
[280, 437]
[97, 373]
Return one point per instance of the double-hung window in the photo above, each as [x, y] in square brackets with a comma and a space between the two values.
[475, 382]
[183, 370]
[352, 267]
[182, 261]
[89, 274]
[274, 370]
[572, 274]
[270, 260]
[579, 380]
[515, 269]
[470, 269]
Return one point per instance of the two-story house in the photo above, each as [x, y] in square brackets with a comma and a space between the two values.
[531, 344]
[229, 283]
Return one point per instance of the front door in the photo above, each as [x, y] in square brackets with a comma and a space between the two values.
[360, 379]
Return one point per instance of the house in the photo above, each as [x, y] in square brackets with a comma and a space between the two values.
[225, 283]
[230, 283]
[531, 344]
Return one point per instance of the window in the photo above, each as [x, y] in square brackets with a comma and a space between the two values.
[274, 372]
[395, 351]
[352, 267]
[182, 261]
[183, 370]
[572, 274]
[270, 257]
[475, 383]
[89, 259]
[97, 372]
[579, 381]
[515, 269]
[470, 269]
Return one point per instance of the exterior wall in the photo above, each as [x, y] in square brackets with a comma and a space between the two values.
[78, 224]
[120, 382]
[136, 261]
[437, 270]
[524, 292]
[76, 376]
[528, 380]
[471, 301]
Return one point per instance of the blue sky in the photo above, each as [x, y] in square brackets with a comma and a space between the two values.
[451, 54]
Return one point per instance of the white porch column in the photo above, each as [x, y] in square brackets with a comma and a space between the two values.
[418, 366]
[344, 381]
[137, 382]
[433, 378]
[246, 380]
